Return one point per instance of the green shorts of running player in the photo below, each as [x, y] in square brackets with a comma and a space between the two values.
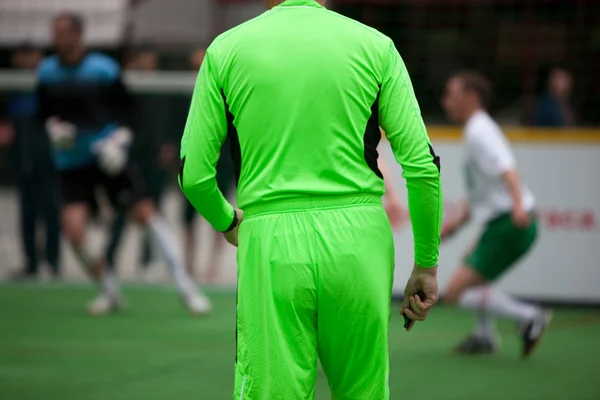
[500, 246]
[314, 282]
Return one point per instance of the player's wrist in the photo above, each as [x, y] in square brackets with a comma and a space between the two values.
[432, 270]
[518, 206]
[234, 223]
[518, 211]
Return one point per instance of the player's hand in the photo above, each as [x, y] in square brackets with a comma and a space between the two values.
[394, 209]
[414, 307]
[113, 151]
[520, 217]
[61, 133]
[232, 235]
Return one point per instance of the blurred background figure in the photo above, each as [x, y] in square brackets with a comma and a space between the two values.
[26, 57]
[554, 108]
[503, 204]
[225, 180]
[143, 58]
[34, 171]
[154, 154]
[196, 59]
[88, 111]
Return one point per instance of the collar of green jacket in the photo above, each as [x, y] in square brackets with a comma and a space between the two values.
[300, 3]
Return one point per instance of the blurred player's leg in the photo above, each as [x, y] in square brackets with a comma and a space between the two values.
[484, 338]
[499, 248]
[75, 218]
[158, 228]
[74, 224]
[110, 298]
[154, 177]
[485, 327]
[77, 192]
[531, 320]
[77, 196]
[126, 191]
[108, 281]
[117, 229]
[146, 255]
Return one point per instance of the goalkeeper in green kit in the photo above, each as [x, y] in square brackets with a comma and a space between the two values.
[301, 92]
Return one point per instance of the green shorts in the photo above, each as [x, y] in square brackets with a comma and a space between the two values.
[314, 282]
[500, 246]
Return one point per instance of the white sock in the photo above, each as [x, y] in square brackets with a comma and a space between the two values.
[166, 243]
[108, 284]
[497, 303]
[485, 326]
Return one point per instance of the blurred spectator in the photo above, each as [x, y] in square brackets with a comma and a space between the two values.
[154, 151]
[26, 57]
[36, 178]
[7, 135]
[196, 59]
[144, 58]
[554, 108]
[225, 179]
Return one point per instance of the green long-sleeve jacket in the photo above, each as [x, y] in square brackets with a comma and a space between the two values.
[301, 92]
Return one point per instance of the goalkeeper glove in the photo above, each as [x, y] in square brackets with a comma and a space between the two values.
[61, 133]
[113, 151]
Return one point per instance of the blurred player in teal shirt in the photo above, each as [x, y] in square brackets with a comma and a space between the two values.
[86, 111]
[301, 92]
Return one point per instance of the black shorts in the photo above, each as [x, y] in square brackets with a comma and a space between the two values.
[80, 185]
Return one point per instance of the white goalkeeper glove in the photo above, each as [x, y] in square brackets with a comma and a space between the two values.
[62, 134]
[113, 151]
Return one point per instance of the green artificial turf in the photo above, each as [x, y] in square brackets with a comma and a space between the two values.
[50, 349]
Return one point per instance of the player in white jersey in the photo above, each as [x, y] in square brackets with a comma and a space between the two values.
[505, 207]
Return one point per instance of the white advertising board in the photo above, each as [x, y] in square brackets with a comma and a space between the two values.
[565, 262]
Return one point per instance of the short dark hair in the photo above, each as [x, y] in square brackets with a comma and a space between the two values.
[473, 81]
[74, 19]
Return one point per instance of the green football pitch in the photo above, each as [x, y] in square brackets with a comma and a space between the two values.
[50, 349]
